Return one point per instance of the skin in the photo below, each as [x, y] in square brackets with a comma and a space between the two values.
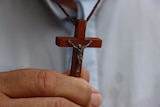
[46, 88]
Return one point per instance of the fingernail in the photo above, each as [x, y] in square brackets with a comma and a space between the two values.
[96, 99]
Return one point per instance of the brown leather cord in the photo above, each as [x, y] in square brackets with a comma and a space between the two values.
[94, 8]
[70, 18]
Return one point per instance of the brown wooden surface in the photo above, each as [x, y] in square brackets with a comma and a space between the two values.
[79, 38]
[63, 41]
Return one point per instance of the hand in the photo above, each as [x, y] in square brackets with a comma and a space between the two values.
[46, 88]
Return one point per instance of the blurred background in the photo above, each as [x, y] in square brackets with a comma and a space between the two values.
[129, 61]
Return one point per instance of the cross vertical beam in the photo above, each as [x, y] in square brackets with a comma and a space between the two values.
[80, 31]
[78, 43]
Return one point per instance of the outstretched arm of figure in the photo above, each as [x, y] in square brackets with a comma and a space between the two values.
[89, 43]
[74, 46]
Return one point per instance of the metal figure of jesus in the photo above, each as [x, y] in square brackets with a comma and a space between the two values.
[80, 48]
[79, 42]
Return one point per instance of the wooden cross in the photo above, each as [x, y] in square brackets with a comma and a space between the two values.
[78, 42]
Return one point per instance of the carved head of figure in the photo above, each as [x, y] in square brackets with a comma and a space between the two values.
[79, 46]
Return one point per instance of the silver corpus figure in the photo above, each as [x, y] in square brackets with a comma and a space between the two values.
[80, 48]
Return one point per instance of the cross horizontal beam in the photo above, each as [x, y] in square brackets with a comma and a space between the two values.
[63, 41]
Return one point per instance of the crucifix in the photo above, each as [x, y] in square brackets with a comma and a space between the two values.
[79, 42]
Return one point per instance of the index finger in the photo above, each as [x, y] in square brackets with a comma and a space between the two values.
[41, 83]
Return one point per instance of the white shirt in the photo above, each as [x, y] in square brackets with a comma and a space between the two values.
[27, 38]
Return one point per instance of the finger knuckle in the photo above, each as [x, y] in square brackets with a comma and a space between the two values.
[46, 80]
[85, 89]
[62, 102]
[58, 102]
